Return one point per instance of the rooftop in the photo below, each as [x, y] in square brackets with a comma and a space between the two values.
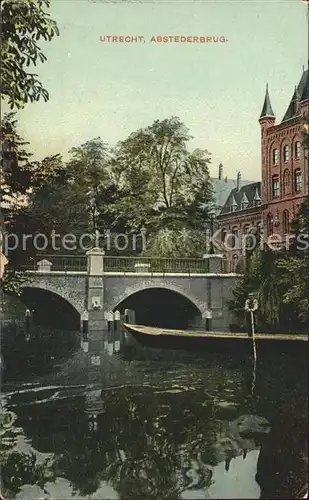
[247, 196]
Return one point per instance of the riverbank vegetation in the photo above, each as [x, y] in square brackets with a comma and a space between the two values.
[280, 282]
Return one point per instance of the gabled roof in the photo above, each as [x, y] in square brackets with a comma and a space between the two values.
[250, 191]
[222, 189]
[301, 93]
[267, 111]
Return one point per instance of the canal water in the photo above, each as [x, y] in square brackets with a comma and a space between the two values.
[167, 426]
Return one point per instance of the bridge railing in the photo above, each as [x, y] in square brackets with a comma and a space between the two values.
[153, 265]
[123, 264]
[59, 262]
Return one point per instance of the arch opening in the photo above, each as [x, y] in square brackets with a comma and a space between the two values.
[50, 309]
[162, 308]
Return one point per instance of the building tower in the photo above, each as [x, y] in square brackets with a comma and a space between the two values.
[267, 120]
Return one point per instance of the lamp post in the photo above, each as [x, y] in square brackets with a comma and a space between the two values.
[211, 217]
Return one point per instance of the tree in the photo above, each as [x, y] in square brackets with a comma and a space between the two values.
[15, 173]
[180, 243]
[164, 180]
[261, 277]
[88, 175]
[164, 185]
[76, 198]
[295, 269]
[24, 23]
[280, 281]
[19, 179]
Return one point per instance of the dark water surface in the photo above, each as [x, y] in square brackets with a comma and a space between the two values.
[177, 426]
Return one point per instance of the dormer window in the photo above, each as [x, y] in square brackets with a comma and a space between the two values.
[275, 156]
[234, 205]
[297, 150]
[244, 202]
[257, 199]
[286, 153]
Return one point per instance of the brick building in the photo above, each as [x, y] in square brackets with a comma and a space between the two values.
[271, 205]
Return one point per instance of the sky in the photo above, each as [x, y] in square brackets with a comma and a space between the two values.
[216, 89]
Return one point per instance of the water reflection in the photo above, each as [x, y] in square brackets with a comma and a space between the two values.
[189, 430]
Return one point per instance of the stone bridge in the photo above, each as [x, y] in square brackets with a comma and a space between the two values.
[100, 291]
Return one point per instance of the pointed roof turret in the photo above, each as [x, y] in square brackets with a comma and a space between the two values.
[301, 93]
[304, 86]
[267, 111]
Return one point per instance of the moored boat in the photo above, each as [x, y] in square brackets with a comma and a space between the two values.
[194, 340]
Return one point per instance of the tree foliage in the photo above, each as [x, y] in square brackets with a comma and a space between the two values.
[280, 282]
[295, 268]
[164, 182]
[24, 23]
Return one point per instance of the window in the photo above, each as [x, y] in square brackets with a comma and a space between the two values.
[244, 205]
[297, 149]
[225, 265]
[286, 222]
[275, 186]
[286, 181]
[286, 153]
[275, 156]
[235, 237]
[256, 203]
[259, 227]
[298, 181]
[246, 229]
[223, 235]
[234, 263]
[270, 224]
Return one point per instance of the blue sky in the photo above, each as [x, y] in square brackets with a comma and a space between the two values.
[110, 90]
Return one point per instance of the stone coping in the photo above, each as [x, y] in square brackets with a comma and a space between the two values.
[131, 274]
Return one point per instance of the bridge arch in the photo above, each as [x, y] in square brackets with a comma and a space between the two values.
[133, 289]
[164, 306]
[50, 307]
[77, 300]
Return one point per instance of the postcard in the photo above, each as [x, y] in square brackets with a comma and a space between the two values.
[154, 255]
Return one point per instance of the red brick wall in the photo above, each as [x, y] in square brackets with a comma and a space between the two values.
[250, 218]
[277, 137]
[286, 205]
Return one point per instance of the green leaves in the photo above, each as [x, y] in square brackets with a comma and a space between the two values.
[162, 179]
[176, 243]
[24, 23]
[280, 281]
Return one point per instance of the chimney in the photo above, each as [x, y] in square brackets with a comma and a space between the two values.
[225, 179]
[238, 181]
[220, 172]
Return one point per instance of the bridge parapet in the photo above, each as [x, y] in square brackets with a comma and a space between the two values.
[208, 264]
